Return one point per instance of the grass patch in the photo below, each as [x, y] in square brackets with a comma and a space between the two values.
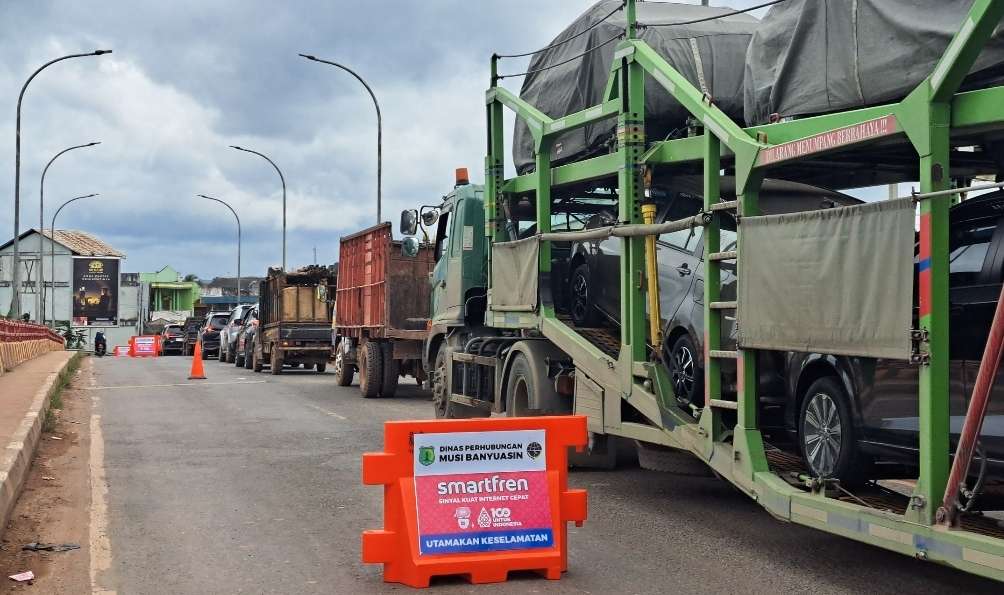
[56, 400]
[49, 423]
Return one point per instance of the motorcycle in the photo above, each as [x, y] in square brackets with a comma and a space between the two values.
[100, 345]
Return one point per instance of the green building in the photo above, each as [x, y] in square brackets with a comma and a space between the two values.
[168, 292]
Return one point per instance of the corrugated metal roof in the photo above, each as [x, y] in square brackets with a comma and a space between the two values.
[83, 243]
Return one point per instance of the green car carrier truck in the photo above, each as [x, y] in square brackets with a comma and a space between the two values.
[498, 343]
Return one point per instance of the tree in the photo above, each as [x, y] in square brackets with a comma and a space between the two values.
[191, 277]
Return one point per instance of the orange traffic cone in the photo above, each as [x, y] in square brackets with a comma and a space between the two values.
[197, 372]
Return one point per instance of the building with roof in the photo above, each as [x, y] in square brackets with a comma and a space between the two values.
[83, 283]
[167, 292]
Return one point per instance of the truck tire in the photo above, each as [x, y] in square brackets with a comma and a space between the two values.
[344, 371]
[445, 408]
[275, 362]
[391, 370]
[256, 363]
[521, 388]
[321, 367]
[370, 369]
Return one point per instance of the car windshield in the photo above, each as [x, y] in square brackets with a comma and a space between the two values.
[172, 330]
[218, 322]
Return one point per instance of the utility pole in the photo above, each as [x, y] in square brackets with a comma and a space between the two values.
[15, 300]
[379, 126]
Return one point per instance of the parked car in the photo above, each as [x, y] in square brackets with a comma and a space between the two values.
[594, 266]
[851, 418]
[172, 339]
[245, 338]
[193, 325]
[209, 334]
[228, 335]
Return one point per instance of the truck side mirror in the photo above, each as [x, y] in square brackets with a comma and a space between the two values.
[430, 217]
[409, 222]
[409, 247]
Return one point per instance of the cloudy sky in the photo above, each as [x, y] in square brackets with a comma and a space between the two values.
[189, 77]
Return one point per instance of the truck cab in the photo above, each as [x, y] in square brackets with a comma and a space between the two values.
[459, 278]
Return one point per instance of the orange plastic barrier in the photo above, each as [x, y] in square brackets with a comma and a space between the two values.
[144, 346]
[474, 497]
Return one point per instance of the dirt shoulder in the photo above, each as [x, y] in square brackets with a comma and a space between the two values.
[54, 505]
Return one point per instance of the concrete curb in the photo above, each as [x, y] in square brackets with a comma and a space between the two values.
[17, 456]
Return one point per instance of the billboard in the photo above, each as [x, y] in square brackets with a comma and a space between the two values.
[95, 290]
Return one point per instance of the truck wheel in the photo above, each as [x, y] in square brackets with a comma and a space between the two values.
[370, 369]
[275, 363]
[256, 364]
[521, 389]
[321, 367]
[445, 408]
[391, 370]
[344, 371]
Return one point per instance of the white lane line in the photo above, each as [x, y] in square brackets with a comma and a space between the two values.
[326, 412]
[173, 385]
[100, 547]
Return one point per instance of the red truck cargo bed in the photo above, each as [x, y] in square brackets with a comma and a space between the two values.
[381, 293]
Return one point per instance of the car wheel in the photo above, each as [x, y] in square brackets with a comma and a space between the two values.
[581, 298]
[391, 370]
[221, 355]
[344, 371]
[256, 363]
[370, 369]
[686, 374]
[247, 360]
[321, 367]
[238, 359]
[446, 409]
[826, 434]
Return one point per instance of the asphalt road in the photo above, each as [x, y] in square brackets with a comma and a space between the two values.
[250, 483]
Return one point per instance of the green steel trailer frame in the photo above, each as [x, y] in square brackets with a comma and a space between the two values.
[926, 125]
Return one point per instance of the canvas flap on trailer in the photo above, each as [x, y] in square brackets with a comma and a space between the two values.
[514, 275]
[834, 281]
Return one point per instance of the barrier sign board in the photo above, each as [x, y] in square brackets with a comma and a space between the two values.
[478, 498]
[144, 346]
[482, 491]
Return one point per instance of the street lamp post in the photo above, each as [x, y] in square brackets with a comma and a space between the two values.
[224, 203]
[283, 180]
[15, 302]
[52, 253]
[41, 228]
[379, 126]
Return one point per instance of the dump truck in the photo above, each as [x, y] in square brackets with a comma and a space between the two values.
[294, 315]
[382, 310]
[830, 294]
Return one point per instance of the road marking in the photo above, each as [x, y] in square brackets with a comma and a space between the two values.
[172, 385]
[100, 547]
[326, 412]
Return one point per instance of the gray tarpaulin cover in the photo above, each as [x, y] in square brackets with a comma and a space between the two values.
[514, 275]
[708, 54]
[817, 56]
[831, 281]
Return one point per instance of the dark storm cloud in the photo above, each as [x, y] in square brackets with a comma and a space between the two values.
[190, 77]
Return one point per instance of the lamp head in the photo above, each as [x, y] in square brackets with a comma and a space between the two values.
[101, 52]
[236, 147]
[309, 57]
